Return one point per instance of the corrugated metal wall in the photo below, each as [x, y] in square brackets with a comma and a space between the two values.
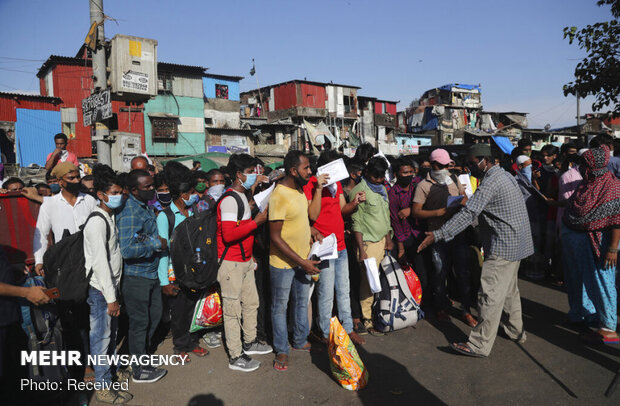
[34, 133]
[313, 96]
[9, 104]
[379, 108]
[390, 108]
[187, 86]
[72, 84]
[285, 96]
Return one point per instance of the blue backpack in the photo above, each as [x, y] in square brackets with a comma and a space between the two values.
[44, 333]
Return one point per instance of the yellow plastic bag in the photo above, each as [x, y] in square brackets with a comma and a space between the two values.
[345, 363]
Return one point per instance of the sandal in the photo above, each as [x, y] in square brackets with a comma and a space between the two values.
[281, 363]
[184, 355]
[201, 352]
[601, 337]
[463, 348]
[305, 348]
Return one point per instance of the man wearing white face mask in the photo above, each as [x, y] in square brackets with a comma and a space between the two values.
[103, 261]
[235, 240]
[430, 203]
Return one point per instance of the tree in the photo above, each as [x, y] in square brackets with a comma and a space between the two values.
[598, 74]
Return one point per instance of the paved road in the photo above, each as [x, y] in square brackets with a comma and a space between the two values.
[413, 366]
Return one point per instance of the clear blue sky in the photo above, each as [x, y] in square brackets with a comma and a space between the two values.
[394, 50]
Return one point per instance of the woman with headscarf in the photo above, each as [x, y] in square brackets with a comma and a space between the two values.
[590, 235]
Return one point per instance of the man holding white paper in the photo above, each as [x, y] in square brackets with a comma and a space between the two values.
[437, 198]
[372, 229]
[326, 208]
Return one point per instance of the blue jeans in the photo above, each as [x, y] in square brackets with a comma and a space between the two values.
[334, 275]
[445, 255]
[102, 335]
[283, 281]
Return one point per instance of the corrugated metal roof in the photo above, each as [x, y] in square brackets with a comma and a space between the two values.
[49, 99]
[173, 67]
[225, 77]
[302, 81]
[64, 60]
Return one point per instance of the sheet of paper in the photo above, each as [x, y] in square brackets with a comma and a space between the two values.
[372, 272]
[336, 170]
[262, 198]
[465, 181]
[454, 201]
[327, 249]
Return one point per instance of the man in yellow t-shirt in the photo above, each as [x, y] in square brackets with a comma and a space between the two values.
[290, 234]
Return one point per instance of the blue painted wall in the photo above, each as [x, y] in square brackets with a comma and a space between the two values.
[187, 143]
[208, 84]
[34, 132]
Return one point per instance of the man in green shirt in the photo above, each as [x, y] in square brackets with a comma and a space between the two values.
[372, 228]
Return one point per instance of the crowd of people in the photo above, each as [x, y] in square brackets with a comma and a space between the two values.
[466, 225]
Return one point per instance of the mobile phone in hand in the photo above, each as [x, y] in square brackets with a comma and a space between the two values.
[52, 293]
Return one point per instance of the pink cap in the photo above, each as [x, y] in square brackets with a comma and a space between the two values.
[441, 156]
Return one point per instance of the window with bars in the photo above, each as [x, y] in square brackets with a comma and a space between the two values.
[164, 128]
[221, 91]
[164, 82]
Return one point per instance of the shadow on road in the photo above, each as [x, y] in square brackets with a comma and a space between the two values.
[205, 400]
[547, 323]
[389, 381]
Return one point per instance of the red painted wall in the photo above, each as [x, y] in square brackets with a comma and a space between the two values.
[8, 105]
[313, 96]
[378, 108]
[285, 96]
[390, 108]
[72, 84]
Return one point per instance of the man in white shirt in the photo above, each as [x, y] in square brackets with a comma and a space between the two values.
[67, 210]
[104, 263]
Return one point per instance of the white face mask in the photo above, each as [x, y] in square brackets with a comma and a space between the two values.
[441, 176]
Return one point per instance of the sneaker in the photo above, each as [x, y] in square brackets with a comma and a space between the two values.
[257, 347]
[147, 374]
[110, 396]
[212, 339]
[243, 363]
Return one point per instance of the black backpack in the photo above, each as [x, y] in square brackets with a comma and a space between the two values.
[199, 232]
[64, 264]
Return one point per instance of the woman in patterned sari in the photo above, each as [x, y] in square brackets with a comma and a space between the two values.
[591, 235]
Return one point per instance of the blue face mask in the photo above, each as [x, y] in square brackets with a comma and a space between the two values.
[250, 179]
[193, 199]
[114, 201]
[527, 172]
[216, 191]
[55, 188]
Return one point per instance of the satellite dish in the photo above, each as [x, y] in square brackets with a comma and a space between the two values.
[547, 127]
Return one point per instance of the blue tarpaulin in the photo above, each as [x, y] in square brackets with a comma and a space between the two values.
[460, 86]
[431, 124]
[503, 143]
[34, 133]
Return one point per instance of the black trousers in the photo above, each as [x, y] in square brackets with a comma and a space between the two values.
[182, 306]
[354, 279]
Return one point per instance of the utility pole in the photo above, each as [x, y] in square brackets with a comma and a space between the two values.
[102, 131]
[578, 115]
